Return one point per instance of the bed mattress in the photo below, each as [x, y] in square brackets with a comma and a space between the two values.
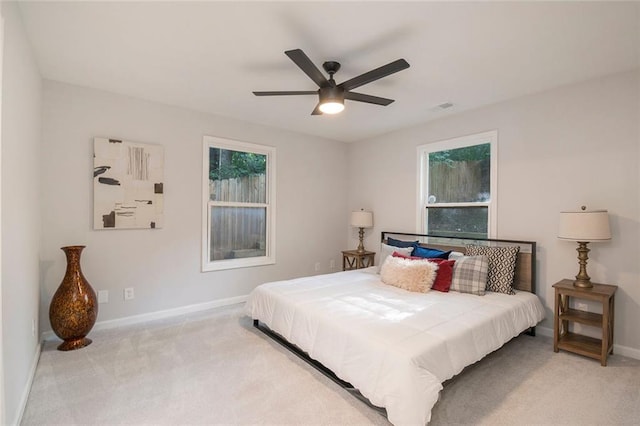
[396, 347]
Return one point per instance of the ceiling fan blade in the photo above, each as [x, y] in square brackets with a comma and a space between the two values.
[360, 97]
[375, 74]
[285, 93]
[316, 110]
[305, 64]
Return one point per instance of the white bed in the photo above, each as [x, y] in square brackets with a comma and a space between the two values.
[396, 347]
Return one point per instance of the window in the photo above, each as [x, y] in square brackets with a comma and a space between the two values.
[457, 190]
[239, 204]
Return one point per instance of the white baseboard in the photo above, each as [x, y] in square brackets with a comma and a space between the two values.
[626, 351]
[27, 388]
[151, 316]
[617, 349]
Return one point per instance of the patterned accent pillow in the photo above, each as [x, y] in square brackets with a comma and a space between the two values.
[470, 275]
[408, 274]
[502, 266]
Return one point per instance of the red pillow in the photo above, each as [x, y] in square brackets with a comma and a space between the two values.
[404, 256]
[444, 274]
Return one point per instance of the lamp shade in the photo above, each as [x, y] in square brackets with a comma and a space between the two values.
[362, 219]
[585, 226]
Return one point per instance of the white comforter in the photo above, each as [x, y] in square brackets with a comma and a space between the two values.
[394, 346]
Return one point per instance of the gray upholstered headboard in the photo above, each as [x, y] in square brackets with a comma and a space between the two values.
[525, 276]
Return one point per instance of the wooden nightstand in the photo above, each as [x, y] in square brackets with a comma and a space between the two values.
[563, 314]
[354, 259]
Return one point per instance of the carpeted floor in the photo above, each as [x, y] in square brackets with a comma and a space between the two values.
[215, 368]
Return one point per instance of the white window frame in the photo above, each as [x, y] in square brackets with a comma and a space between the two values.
[270, 205]
[490, 137]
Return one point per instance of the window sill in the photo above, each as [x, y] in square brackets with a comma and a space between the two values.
[220, 265]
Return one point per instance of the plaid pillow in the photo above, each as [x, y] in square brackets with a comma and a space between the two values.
[502, 266]
[470, 275]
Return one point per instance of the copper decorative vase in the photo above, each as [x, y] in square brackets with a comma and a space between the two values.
[74, 306]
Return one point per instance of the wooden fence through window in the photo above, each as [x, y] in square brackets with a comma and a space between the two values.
[238, 231]
[462, 183]
[248, 189]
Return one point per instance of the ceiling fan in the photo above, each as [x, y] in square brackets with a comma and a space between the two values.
[332, 95]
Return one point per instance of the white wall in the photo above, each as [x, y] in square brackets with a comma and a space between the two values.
[163, 265]
[557, 150]
[21, 119]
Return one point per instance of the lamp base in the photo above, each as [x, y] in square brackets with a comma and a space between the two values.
[582, 284]
[360, 248]
[583, 280]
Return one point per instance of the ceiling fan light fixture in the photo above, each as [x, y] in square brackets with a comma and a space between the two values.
[331, 106]
[331, 100]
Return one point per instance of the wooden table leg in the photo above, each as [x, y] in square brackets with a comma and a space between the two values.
[612, 317]
[605, 332]
[556, 322]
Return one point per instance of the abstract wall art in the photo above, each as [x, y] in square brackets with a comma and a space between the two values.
[128, 184]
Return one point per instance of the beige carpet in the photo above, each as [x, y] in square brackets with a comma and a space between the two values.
[215, 368]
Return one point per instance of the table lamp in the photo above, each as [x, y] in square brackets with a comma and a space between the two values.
[361, 219]
[584, 226]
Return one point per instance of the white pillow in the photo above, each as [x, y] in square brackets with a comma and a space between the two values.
[455, 255]
[387, 250]
[408, 274]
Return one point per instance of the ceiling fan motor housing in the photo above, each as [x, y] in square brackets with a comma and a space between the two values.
[331, 93]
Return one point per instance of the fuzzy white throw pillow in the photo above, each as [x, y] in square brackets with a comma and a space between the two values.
[408, 274]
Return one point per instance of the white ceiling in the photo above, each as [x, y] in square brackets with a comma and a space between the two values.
[210, 56]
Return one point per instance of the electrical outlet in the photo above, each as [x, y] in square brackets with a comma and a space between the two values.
[332, 264]
[103, 296]
[128, 293]
[33, 327]
[581, 306]
[317, 266]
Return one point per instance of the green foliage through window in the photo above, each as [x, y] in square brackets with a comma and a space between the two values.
[228, 164]
[469, 153]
